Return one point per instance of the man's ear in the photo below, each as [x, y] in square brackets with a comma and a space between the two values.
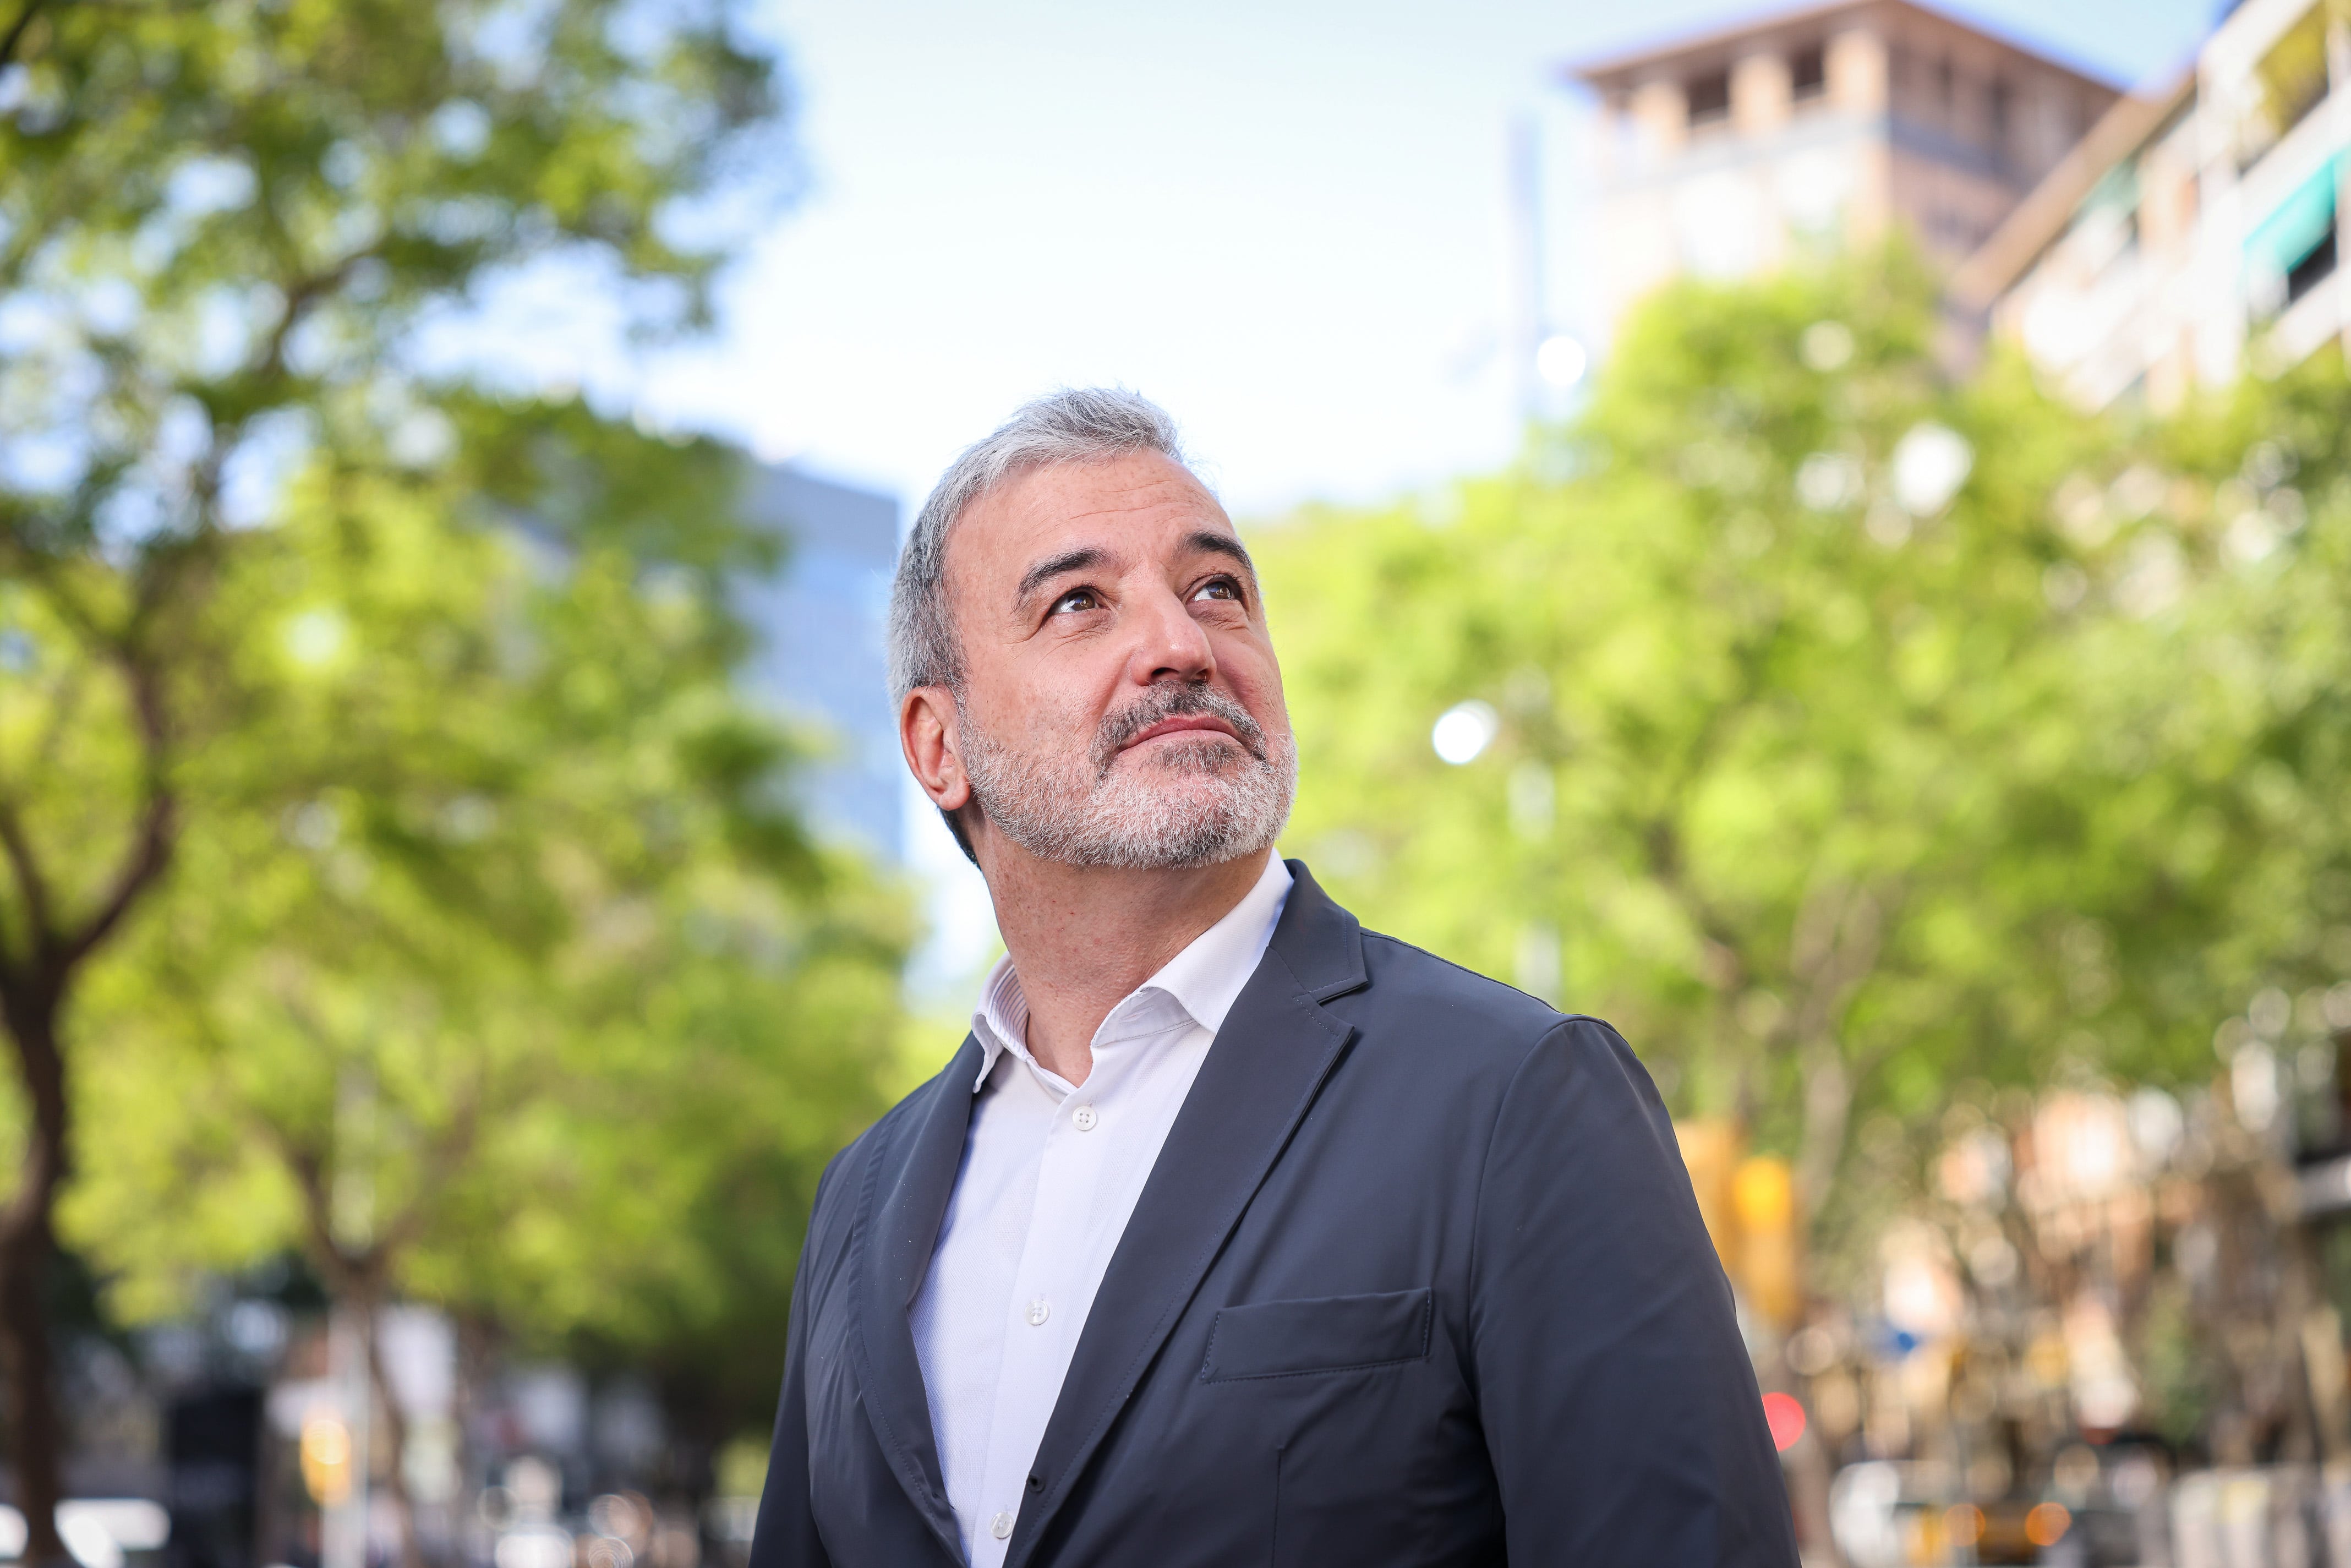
[927, 733]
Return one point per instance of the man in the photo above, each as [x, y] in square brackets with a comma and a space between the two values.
[1234, 1234]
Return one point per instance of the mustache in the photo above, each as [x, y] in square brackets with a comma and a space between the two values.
[1167, 701]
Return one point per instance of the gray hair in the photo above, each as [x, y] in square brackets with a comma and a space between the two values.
[1075, 425]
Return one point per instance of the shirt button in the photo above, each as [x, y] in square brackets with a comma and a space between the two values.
[1001, 1526]
[1039, 1311]
[1083, 1119]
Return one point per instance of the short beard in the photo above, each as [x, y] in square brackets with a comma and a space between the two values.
[1192, 802]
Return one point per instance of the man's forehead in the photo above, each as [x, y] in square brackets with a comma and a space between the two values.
[1144, 501]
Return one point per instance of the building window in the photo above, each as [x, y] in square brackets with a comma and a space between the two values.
[2311, 270]
[1808, 72]
[1999, 122]
[2292, 250]
[2289, 82]
[1709, 97]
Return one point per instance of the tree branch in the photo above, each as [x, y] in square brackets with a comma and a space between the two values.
[267, 367]
[32, 883]
[1660, 840]
[15, 36]
[300, 295]
[1839, 931]
[449, 1154]
[1839, 934]
[65, 706]
[42, 568]
[310, 1173]
[1661, 845]
[150, 848]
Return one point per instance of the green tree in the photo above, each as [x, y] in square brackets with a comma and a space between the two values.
[220, 229]
[1811, 760]
[2232, 684]
[496, 971]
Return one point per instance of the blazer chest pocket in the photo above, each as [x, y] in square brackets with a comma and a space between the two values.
[1328, 1334]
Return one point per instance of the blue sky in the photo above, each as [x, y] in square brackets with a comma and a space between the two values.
[1285, 221]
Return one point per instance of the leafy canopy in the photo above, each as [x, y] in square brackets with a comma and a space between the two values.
[1857, 732]
[384, 837]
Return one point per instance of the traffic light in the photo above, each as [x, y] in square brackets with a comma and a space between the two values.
[1771, 1253]
[1749, 1204]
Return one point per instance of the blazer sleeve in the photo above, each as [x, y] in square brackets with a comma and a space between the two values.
[1620, 1410]
[785, 1536]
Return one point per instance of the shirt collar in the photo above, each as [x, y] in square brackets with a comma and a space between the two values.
[1204, 979]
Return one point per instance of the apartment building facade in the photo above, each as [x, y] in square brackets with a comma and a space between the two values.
[2197, 231]
[1735, 152]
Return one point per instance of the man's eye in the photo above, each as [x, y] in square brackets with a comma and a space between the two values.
[1077, 599]
[1219, 588]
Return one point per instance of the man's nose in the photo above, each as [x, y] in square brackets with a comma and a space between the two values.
[1169, 644]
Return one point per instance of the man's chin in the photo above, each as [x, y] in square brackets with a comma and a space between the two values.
[1193, 798]
[1192, 751]
[1196, 820]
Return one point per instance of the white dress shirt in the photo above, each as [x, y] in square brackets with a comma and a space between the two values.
[1050, 1174]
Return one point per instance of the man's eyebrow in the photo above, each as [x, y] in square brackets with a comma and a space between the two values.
[1222, 544]
[1053, 565]
[1087, 557]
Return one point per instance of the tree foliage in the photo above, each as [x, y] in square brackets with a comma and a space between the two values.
[496, 970]
[1859, 732]
[230, 237]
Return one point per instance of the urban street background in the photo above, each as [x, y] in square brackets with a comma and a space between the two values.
[1821, 534]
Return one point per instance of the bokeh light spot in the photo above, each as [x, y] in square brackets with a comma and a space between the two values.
[1464, 730]
[1562, 361]
[2047, 1524]
[1785, 1416]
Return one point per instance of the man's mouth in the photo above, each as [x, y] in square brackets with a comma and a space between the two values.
[1181, 723]
[1174, 711]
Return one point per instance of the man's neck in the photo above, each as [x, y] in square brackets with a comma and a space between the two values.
[1082, 938]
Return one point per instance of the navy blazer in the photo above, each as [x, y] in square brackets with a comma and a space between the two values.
[1418, 1279]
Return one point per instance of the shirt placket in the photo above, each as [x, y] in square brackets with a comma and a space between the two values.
[1041, 1319]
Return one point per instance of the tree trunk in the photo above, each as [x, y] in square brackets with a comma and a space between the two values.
[395, 1434]
[27, 1245]
[1806, 1467]
[1828, 1106]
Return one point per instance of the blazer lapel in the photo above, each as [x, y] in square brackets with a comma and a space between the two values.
[907, 1188]
[1269, 1061]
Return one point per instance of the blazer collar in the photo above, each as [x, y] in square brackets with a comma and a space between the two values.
[1268, 1064]
[902, 1201]
[1319, 943]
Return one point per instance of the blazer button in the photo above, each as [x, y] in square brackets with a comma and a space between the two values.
[1036, 1483]
[1001, 1526]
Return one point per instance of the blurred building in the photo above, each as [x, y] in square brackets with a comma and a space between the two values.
[2198, 229]
[1731, 153]
[821, 621]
